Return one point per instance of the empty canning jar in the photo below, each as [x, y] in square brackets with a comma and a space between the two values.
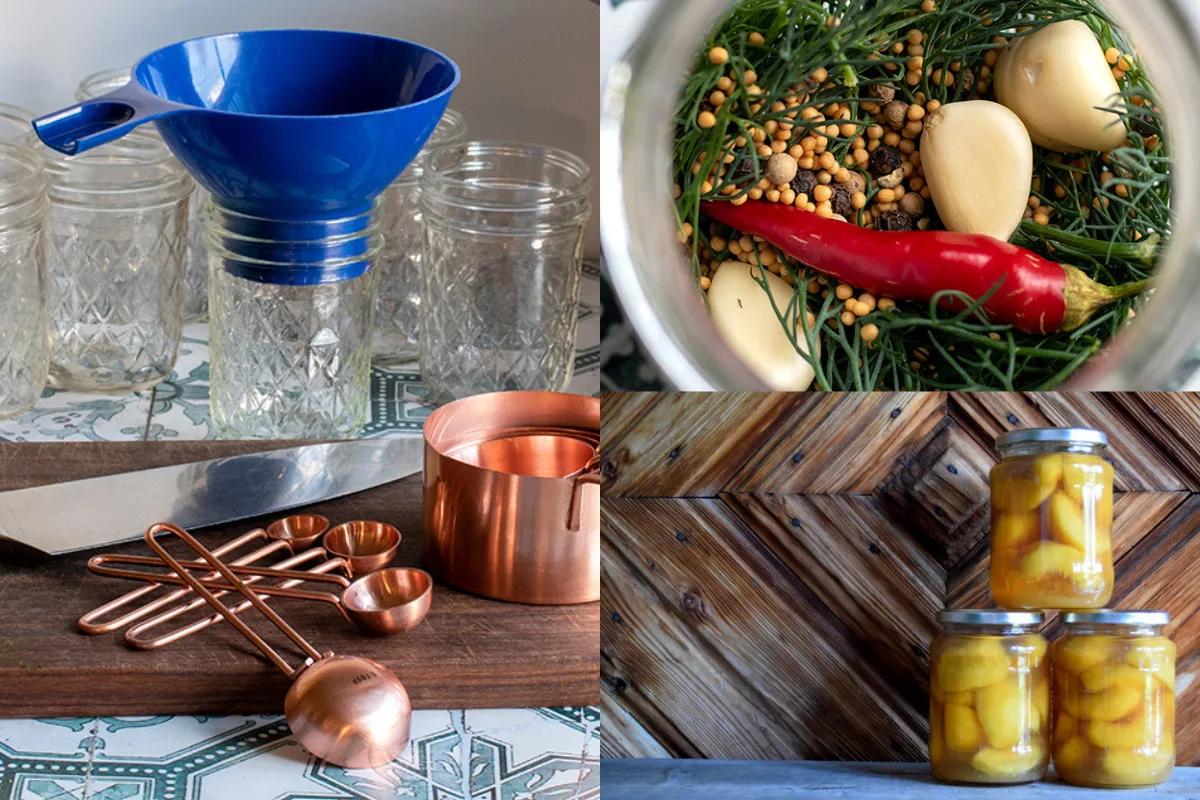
[989, 706]
[1114, 699]
[398, 311]
[117, 242]
[291, 316]
[1052, 508]
[504, 230]
[24, 317]
[195, 292]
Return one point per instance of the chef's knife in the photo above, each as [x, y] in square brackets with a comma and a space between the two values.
[77, 515]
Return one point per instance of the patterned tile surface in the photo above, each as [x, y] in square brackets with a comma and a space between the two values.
[495, 754]
[491, 754]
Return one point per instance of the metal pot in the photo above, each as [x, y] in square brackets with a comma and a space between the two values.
[1156, 351]
[512, 496]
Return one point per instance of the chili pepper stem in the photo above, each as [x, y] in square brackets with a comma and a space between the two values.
[1145, 251]
[1084, 296]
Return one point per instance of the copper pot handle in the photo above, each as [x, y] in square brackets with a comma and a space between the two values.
[588, 476]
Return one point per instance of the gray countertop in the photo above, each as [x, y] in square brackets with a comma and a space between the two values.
[638, 779]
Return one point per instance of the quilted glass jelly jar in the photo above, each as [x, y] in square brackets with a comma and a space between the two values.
[1052, 509]
[117, 248]
[989, 706]
[292, 309]
[398, 311]
[24, 316]
[1114, 699]
[195, 290]
[504, 228]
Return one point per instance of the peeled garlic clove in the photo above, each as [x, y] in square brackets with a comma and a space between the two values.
[979, 165]
[1057, 81]
[743, 315]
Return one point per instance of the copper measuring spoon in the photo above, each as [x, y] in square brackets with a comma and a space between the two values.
[295, 533]
[348, 710]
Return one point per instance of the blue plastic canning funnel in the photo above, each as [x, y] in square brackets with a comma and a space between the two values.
[294, 124]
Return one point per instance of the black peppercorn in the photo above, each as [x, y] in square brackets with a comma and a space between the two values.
[894, 221]
[966, 80]
[804, 183]
[742, 169]
[884, 159]
[840, 199]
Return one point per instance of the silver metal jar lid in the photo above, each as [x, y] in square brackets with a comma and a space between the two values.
[990, 616]
[1112, 616]
[1065, 435]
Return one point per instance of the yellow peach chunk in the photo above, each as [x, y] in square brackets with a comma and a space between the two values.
[1017, 489]
[1118, 701]
[962, 730]
[1012, 530]
[960, 698]
[1131, 768]
[1006, 763]
[1077, 653]
[1067, 524]
[1003, 713]
[970, 664]
[1155, 655]
[1051, 558]
[1041, 698]
[1105, 676]
[1027, 651]
[1072, 753]
[1085, 475]
[1119, 734]
[1065, 727]
[937, 739]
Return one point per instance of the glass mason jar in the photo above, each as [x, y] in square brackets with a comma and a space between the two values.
[195, 292]
[504, 228]
[24, 311]
[989, 706]
[657, 290]
[15, 127]
[1114, 699]
[292, 312]
[117, 242]
[1052, 508]
[398, 311]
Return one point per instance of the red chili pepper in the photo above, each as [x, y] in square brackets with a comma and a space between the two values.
[1037, 295]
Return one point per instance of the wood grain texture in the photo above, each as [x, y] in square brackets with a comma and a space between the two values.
[792, 582]
[469, 652]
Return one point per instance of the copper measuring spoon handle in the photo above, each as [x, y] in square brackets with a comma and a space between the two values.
[220, 607]
[135, 636]
[100, 566]
[89, 623]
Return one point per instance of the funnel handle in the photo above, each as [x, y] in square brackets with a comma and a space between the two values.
[102, 119]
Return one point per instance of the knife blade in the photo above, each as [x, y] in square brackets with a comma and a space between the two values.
[93, 512]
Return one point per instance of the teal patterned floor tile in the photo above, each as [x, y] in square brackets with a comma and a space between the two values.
[69, 417]
[515, 754]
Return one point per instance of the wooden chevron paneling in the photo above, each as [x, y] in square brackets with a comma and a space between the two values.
[773, 564]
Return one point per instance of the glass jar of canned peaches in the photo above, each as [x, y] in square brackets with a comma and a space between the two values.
[989, 707]
[1052, 501]
[1114, 699]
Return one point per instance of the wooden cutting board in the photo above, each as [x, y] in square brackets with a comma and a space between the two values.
[469, 652]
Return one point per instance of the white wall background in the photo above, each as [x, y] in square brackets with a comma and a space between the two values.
[529, 66]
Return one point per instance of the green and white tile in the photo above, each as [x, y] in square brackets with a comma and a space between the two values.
[496, 754]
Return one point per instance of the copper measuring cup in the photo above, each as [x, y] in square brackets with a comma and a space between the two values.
[295, 533]
[348, 710]
[386, 601]
[512, 496]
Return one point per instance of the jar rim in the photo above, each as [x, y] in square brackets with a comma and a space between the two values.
[103, 82]
[989, 617]
[1113, 616]
[437, 177]
[169, 182]
[27, 185]
[1058, 435]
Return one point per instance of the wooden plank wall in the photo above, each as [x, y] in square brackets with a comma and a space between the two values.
[772, 563]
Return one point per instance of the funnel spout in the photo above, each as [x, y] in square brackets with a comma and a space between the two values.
[102, 119]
